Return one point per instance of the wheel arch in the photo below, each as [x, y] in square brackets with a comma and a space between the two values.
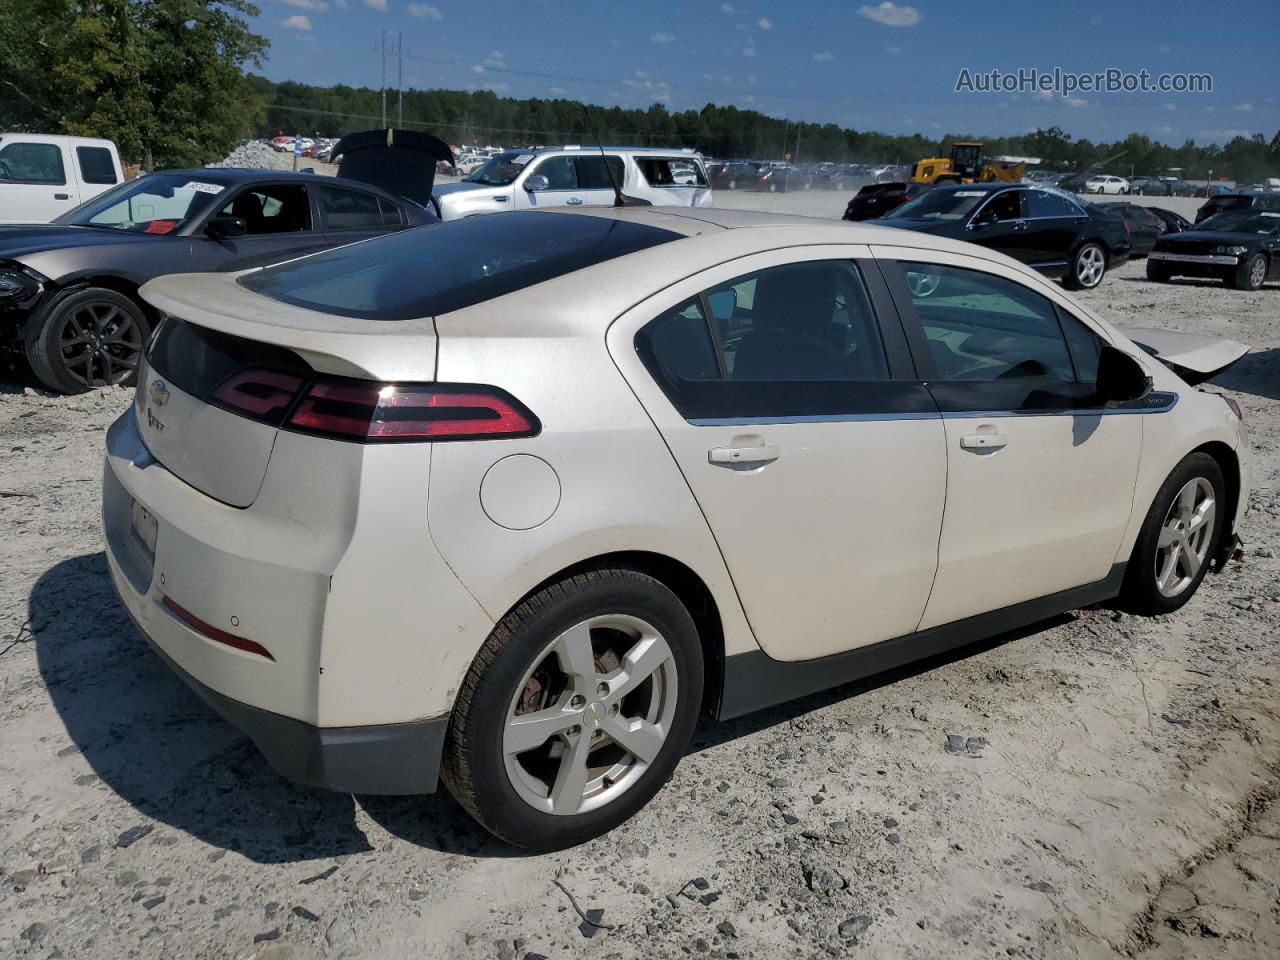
[1229, 463]
[117, 283]
[692, 591]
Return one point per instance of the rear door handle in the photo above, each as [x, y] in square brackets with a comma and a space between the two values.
[983, 441]
[735, 455]
[62, 196]
[574, 201]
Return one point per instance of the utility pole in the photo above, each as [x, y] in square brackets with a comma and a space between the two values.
[796, 158]
[400, 79]
[384, 77]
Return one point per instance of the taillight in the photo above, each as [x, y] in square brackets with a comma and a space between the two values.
[381, 413]
[369, 412]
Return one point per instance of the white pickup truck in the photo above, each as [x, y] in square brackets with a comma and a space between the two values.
[43, 176]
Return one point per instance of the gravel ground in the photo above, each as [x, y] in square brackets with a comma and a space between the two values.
[1099, 785]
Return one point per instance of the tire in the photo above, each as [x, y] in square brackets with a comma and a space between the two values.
[1088, 267]
[518, 672]
[1251, 274]
[1142, 591]
[773, 188]
[105, 329]
[1158, 271]
[733, 184]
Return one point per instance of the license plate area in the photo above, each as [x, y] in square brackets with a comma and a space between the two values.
[144, 528]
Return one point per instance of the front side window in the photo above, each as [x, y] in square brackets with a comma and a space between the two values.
[800, 339]
[32, 163]
[1004, 206]
[980, 327]
[952, 205]
[96, 165]
[349, 209]
[158, 204]
[561, 173]
[278, 208]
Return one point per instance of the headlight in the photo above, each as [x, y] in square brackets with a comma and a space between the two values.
[1230, 251]
[19, 285]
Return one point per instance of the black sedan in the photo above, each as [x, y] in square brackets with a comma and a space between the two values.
[1142, 223]
[1256, 202]
[69, 289]
[1239, 247]
[878, 199]
[1045, 228]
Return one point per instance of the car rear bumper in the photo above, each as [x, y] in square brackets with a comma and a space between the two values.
[393, 758]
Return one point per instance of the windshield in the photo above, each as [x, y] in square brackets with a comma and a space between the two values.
[940, 205]
[1241, 221]
[158, 204]
[500, 169]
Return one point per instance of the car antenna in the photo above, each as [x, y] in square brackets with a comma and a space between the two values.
[620, 199]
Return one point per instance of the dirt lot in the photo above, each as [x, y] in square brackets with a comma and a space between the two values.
[1097, 786]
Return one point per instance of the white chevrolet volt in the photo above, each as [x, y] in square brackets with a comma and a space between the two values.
[508, 502]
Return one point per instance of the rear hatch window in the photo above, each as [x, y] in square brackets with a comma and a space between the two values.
[444, 267]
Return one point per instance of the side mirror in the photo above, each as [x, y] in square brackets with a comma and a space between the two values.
[984, 219]
[220, 227]
[1120, 377]
[536, 182]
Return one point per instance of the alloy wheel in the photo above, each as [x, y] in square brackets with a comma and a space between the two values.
[100, 344]
[1185, 537]
[1257, 272]
[590, 715]
[1090, 266]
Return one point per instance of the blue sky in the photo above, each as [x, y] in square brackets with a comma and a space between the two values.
[879, 65]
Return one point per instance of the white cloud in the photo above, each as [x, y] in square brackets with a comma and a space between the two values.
[748, 51]
[379, 5]
[1221, 136]
[495, 59]
[558, 91]
[889, 14]
[1075, 102]
[1043, 94]
[896, 51]
[764, 24]
[298, 22]
[728, 8]
[425, 11]
[662, 38]
[823, 56]
[497, 55]
[478, 68]
[1243, 108]
[317, 5]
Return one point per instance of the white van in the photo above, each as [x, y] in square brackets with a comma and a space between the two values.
[541, 177]
[43, 176]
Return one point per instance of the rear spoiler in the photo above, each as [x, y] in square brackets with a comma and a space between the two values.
[1193, 356]
[402, 162]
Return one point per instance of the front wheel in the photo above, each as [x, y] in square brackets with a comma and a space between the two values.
[86, 338]
[1177, 539]
[577, 709]
[1251, 274]
[1087, 267]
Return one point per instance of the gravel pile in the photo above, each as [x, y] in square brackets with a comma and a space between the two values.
[256, 155]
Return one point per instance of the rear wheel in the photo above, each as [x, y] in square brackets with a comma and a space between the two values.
[577, 709]
[1158, 271]
[1177, 539]
[1087, 267]
[1251, 274]
[86, 338]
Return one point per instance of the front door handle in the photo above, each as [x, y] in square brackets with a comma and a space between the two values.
[983, 441]
[62, 196]
[574, 201]
[731, 456]
[1020, 224]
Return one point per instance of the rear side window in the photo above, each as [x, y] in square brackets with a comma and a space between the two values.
[392, 216]
[1047, 203]
[96, 165]
[800, 339]
[443, 267]
[349, 209]
[32, 163]
[671, 172]
[594, 175]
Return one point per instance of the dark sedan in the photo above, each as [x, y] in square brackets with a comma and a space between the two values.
[69, 290]
[1142, 223]
[1239, 247]
[879, 199]
[1239, 202]
[1044, 228]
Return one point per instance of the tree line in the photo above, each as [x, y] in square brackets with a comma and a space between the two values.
[166, 80]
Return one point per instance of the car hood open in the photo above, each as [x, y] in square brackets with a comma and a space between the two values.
[1195, 357]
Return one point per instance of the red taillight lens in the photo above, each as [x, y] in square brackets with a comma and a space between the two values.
[380, 413]
[264, 395]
